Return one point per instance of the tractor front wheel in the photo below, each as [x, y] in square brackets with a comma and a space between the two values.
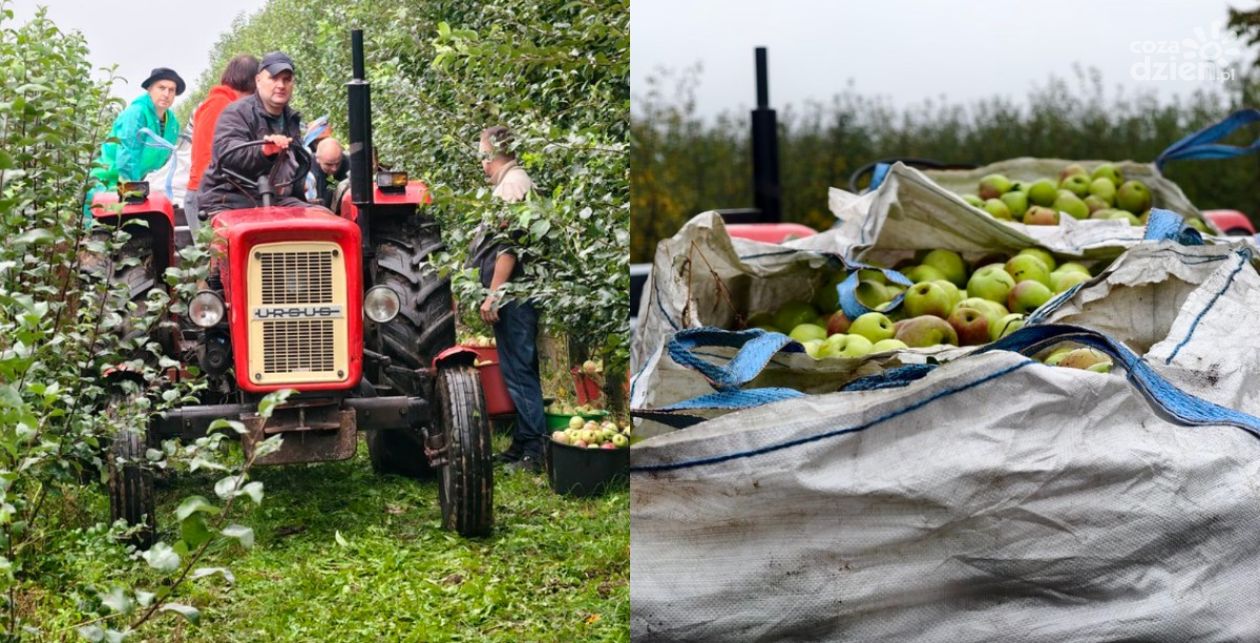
[131, 494]
[466, 483]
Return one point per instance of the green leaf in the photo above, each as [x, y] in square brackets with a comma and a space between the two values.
[192, 505]
[340, 539]
[202, 572]
[192, 614]
[194, 532]
[221, 424]
[36, 236]
[92, 633]
[225, 486]
[242, 533]
[268, 404]
[117, 601]
[254, 490]
[162, 558]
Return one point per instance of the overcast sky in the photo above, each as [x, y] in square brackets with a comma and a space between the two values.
[908, 51]
[139, 35]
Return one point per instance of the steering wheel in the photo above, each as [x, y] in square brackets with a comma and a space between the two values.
[294, 144]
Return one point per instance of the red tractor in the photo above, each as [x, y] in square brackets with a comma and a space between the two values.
[343, 307]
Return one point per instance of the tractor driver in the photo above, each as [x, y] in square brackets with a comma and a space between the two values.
[264, 116]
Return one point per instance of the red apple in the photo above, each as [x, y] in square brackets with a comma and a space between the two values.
[972, 326]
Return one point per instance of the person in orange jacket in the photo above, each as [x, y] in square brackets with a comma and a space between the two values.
[237, 81]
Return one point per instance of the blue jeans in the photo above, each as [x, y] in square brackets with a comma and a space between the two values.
[515, 334]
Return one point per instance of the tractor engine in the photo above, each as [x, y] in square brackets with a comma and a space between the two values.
[294, 287]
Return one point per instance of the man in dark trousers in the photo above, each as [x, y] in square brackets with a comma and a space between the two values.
[264, 116]
[515, 322]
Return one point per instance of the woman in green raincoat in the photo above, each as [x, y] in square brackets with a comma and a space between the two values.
[136, 153]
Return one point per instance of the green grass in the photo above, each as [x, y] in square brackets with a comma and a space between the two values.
[554, 569]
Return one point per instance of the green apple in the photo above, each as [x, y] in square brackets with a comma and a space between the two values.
[1071, 170]
[971, 325]
[1074, 267]
[1094, 204]
[807, 332]
[1197, 224]
[1038, 215]
[620, 441]
[1121, 215]
[884, 345]
[1062, 280]
[992, 309]
[1072, 205]
[793, 314]
[998, 209]
[1077, 184]
[926, 330]
[1084, 358]
[576, 422]
[814, 348]
[1042, 254]
[1109, 172]
[1101, 367]
[873, 326]
[921, 273]
[949, 263]
[826, 298]
[870, 274]
[928, 298]
[762, 320]
[1133, 196]
[853, 345]
[1017, 203]
[1104, 189]
[991, 282]
[872, 293]
[994, 186]
[1028, 296]
[1028, 267]
[973, 200]
[1043, 192]
[1057, 355]
[1005, 326]
[955, 295]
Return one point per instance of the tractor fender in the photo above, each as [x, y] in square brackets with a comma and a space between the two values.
[455, 355]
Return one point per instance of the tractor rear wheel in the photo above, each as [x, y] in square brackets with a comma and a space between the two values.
[424, 327]
[466, 483]
[131, 493]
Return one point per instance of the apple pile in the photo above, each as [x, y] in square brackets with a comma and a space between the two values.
[948, 304]
[589, 434]
[1087, 359]
[1102, 194]
[564, 407]
[479, 341]
[593, 367]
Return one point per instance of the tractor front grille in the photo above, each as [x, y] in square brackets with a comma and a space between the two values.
[297, 314]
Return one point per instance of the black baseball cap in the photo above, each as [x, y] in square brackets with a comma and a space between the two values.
[276, 62]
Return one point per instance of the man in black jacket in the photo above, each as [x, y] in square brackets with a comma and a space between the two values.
[264, 116]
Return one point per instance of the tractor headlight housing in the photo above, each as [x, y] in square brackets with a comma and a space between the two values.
[206, 309]
[381, 304]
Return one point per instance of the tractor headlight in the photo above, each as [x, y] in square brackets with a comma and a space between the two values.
[206, 309]
[381, 304]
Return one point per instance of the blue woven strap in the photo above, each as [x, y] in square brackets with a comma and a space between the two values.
[847, 290]
[878, 175]
[891, 378]
[755, 348]
[1202, 144]
[1166, 225]
[1162, 394]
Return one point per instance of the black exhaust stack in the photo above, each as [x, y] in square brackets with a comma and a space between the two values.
[361, 156]
[361, 170]
[765, 148]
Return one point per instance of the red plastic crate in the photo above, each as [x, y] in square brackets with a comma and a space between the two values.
[498, 402]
